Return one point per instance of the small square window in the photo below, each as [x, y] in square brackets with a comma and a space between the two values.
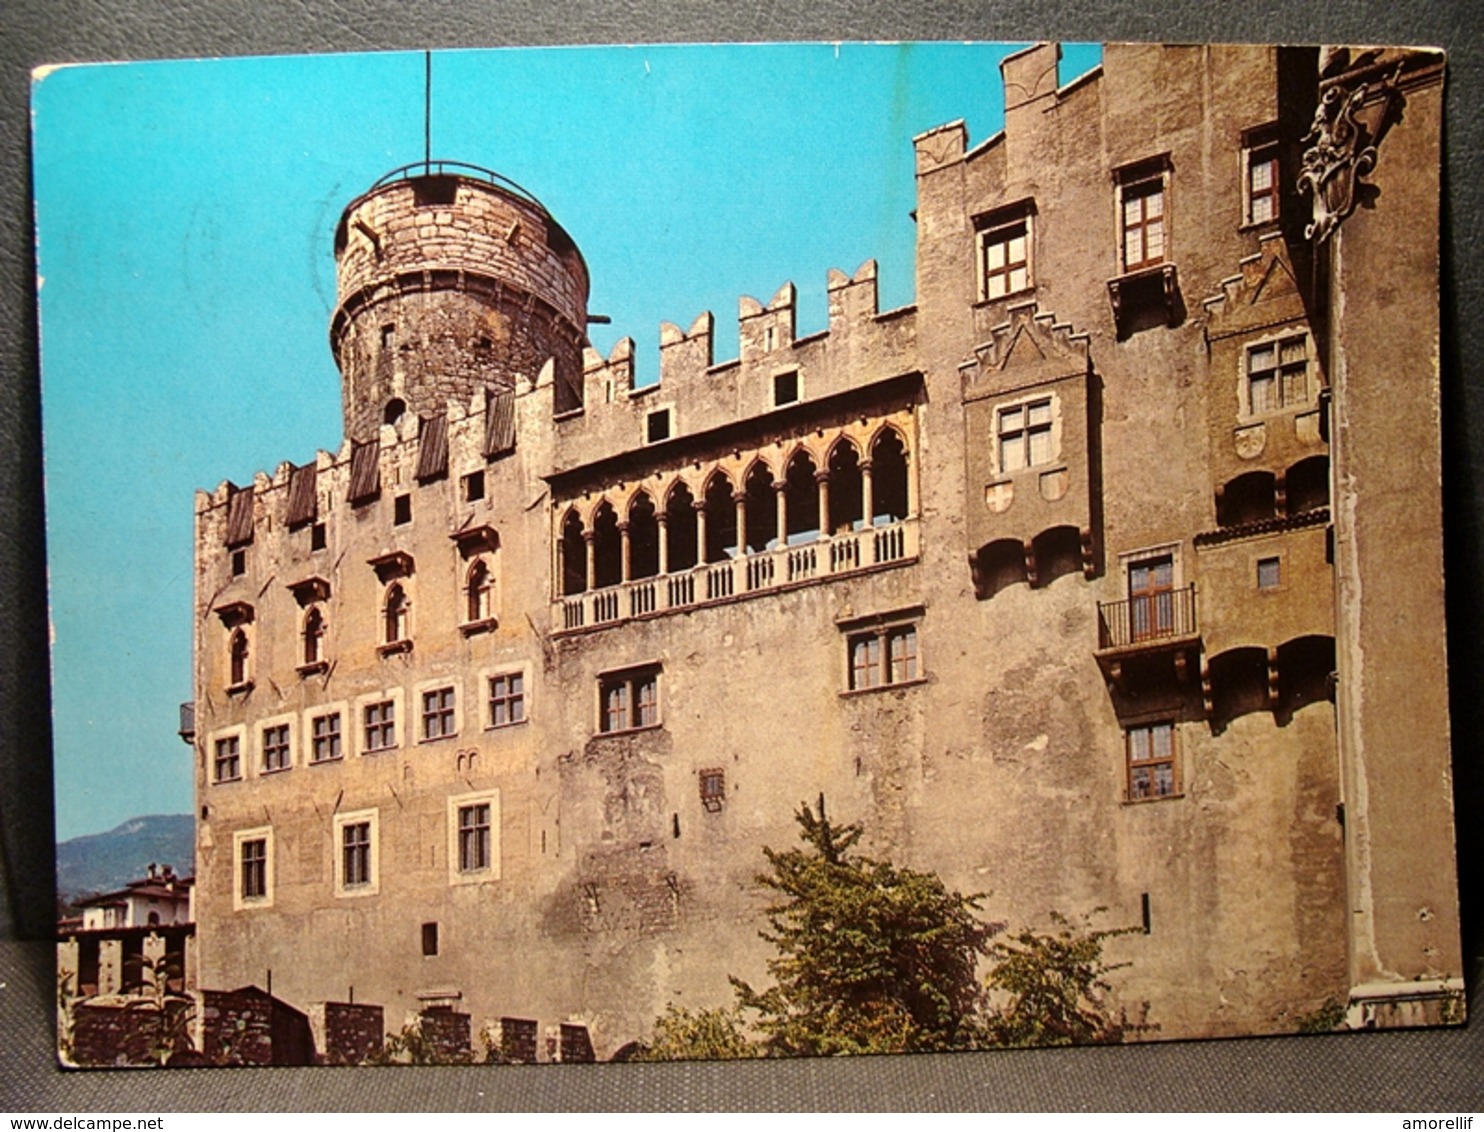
[276, 747]
[1025, 436]
[402, 510]
[438, 720]
[239, 563]
[317, 537]
[1151, 760]
[629, 701]
[507, 699]
[1278, 374]
[786, 388]
[1269, 573]
[473, 487]
[657, 426]
[430, 939]
[227, 763]
[325, 737]
[381, 726]
[713, 789]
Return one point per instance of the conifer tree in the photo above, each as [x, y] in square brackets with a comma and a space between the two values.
[872, 957]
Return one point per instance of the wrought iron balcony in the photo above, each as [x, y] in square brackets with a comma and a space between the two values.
[1148, 621]
[711, 583]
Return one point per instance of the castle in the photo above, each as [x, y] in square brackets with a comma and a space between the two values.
[1106, 575]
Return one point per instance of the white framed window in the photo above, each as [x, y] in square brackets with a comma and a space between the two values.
[438, 713]
[326, 742]
[378, 720]
[276, 744]
[357, 853]
[1261, 175]
[1276, 375]
[1026, 435]
[474, 837]
[507, 699]
[226, 749]
[252, 868]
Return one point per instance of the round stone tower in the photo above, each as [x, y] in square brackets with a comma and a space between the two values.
[451, 279]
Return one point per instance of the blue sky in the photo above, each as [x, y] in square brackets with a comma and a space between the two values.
[185, 212]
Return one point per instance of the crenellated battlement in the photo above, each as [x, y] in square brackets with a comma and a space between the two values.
[774, 368]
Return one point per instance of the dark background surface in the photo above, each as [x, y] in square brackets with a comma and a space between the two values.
[1415, 1071]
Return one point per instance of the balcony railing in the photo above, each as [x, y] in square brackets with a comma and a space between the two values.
[1147, 620]
[710, 582]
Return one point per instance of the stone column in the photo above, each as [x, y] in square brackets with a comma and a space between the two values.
[780, 488]
[868, 512]
[663, 519]
[588, 535]
[740, 499]
[822, 479]
[700, 508]
[623, 535]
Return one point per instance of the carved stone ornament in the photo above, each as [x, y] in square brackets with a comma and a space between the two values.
[1342, 150]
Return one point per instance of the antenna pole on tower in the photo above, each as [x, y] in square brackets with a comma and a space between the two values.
[427, 112]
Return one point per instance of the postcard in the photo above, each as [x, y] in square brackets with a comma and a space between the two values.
[711, 552]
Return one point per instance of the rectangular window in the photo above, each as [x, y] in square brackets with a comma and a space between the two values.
[317, 537]
[239, 563]
[507, 699]
[381, 726]
[629, 700]
[430, 938]
[276, 747]
[1151, 586]
[1269, 573]
[254, 868]
[883, 656]
[713, 789]
[1005, 259]
[1143, 222]
[227, 765]
[1262, 184]
[474, 837]
[402, 510]
[473, 487]
[1278, 374]
[325, 737]
[355, 854]
[786, 388]
[438, 721]
[1025, 436]
[1151, 760]
[657, 426]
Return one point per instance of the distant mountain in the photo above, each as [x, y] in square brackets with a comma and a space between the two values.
[103, 862]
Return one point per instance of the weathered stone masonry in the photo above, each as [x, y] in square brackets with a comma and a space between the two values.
[1049, 578]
